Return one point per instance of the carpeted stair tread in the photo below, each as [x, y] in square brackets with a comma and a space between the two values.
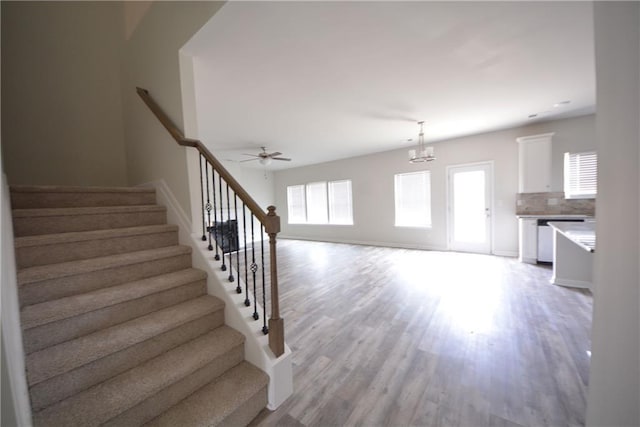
[89, 210]
[35, 197]
[213, 403]
[109, 271]
[77, 189]
[58, 388]
[51, 311]
[110, 398]
[61, 358]
[67, 329]
[72, 268]
[168, 397]
[82, 236]
[55, 248]
[30, 222]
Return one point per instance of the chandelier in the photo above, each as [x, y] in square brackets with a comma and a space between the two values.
[423, 153]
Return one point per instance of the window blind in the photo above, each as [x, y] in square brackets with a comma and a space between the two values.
[296, 204]
[580, 175]
[317, 203]
[413, 199]
[340, 202]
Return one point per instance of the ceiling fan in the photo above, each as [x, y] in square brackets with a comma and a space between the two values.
[265, 158]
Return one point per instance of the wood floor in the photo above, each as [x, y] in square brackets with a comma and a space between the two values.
[400, 337]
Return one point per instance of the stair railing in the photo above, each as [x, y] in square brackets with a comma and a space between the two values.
[221, 221]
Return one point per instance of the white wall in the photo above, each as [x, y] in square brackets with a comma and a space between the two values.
[614, 381]
[259, 183]
[152, 61]
[372, 186]
[61, 93]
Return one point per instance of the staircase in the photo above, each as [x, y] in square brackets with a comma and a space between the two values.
[118, 329]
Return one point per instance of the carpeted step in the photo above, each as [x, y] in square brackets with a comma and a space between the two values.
[60, 320]
[50, 196]
[48, 282]
[117, 326]
[219, 349]
[69, 355]
[57, 388]
[233, 399]
[30, 222]
[62, 247]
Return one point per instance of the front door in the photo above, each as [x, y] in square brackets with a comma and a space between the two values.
[469, 210]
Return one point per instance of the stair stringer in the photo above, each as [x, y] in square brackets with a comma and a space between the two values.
[237, 315]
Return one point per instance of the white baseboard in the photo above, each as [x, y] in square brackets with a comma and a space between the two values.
[511, 254]
[237, 315]
[366, 243]
[571, 283]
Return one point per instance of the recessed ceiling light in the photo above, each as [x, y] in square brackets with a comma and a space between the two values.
[561, 104]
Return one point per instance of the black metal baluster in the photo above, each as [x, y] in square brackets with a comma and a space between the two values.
[224, 266]
[214, 227]
[204, 226]
[229, 236]
[265, 330]
[208, 206]
[237, 242]
[246, 266]
[254, 269]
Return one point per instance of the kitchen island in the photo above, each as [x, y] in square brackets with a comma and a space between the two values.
[573, 246]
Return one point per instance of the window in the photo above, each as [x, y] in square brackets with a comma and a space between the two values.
[340, 202]
[296, 204]
[317, 203]
[320, 203]
[413, 199]
[580, 175]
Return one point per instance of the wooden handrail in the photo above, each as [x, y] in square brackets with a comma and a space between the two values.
[188, 142]
[270, 220]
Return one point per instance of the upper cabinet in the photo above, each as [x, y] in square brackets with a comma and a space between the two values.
[534, 163]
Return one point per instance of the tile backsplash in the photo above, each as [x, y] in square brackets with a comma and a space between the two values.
[553, 204]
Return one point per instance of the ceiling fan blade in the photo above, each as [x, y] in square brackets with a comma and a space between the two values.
[249, 160]
[282, 158]
[252, 155]
[276, 153]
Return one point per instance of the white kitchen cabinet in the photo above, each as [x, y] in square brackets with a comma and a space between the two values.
[528, 240]
[534, 161]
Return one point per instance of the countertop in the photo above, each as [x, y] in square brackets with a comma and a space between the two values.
[581, 233]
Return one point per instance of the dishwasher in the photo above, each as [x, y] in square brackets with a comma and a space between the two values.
[545, 237]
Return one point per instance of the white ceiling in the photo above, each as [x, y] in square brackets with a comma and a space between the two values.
[320, 81]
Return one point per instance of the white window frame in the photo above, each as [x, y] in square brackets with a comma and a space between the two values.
[328, 197]
[426, 219]
[581, 175]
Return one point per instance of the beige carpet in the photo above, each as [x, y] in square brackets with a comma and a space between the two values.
[117, 326]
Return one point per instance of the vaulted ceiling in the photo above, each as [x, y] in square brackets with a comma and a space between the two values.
[320, 81]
